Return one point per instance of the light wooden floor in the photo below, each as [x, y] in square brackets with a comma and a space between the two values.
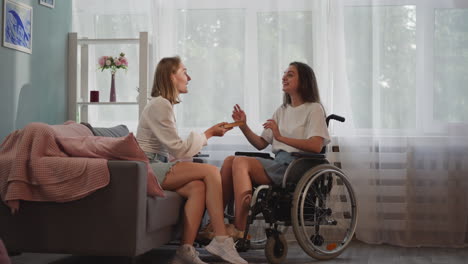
[357, 253]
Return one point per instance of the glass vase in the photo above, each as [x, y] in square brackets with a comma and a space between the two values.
[112, 89]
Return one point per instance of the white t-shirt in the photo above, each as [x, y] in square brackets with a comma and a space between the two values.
[157, 132]
[301, 122]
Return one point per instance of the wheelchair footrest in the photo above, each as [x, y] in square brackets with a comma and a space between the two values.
[242, 245]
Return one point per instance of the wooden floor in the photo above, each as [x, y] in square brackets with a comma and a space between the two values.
[356, 253]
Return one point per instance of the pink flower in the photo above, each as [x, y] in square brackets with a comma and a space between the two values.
[124, 61]
[102, 61]
[117, 62]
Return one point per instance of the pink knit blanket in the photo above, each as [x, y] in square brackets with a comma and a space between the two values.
[33, 167]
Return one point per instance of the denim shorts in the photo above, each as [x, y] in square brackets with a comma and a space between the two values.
[160, 165]
[276, 168]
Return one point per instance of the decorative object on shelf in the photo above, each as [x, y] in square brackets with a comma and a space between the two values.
[113, 63]
[112, 97]
[17, 26]
[48, 3]
[94, 96]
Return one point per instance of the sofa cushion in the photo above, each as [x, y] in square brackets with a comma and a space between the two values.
[163, 211]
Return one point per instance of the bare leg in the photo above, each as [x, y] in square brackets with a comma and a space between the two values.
[185, 172]
[194, 208]
[226, 179]
[246, 170]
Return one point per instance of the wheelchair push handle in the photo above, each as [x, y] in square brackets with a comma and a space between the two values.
[335, 117]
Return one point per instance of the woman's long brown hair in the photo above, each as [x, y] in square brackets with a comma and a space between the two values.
[308, 88]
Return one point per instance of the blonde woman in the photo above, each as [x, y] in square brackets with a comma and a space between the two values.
[199, 183]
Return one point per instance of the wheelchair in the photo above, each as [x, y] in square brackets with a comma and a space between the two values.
[315, 198]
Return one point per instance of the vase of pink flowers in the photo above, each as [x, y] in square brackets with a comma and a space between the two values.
[113, 64]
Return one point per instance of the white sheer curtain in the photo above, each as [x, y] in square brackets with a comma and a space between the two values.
[400, 79]
[395, 69]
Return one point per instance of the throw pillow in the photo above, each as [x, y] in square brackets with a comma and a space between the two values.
[120, 148]
[116, 131]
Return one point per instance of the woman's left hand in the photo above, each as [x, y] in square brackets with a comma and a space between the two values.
[271, 124]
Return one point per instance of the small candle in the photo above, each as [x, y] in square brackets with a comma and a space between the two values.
[94, 96]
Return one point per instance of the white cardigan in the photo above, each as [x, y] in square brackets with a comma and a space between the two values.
[157, 132]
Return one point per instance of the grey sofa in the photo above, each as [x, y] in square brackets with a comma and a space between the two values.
[117, 220]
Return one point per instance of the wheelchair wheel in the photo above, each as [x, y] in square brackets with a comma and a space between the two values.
[324, 212]
[276, 249]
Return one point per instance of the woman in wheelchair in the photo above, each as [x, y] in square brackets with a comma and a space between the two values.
[297, 125]
[320, 199]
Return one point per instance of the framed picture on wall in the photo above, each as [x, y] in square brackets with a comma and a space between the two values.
[48, 3]
[17, 26]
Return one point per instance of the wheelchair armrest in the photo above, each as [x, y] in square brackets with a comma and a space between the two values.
[198, 158]
[200, 155]
[253, 154]
[308, 155]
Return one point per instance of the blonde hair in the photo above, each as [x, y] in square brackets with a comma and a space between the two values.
[163, 85]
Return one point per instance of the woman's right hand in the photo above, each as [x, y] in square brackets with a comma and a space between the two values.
[217, 130]
[238, 114]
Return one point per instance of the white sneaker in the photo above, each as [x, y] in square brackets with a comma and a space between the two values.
[225, 250]
[186, 254]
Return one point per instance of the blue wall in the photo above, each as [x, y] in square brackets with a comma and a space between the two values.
[33, 87]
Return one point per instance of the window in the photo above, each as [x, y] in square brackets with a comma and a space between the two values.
[212, 46]
[381, 65]
[450, 65]
[283, 37]
[238, 56]
[406, 62]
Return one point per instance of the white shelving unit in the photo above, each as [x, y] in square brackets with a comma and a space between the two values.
[81, 104]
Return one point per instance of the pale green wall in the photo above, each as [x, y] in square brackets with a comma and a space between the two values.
[33, 87]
